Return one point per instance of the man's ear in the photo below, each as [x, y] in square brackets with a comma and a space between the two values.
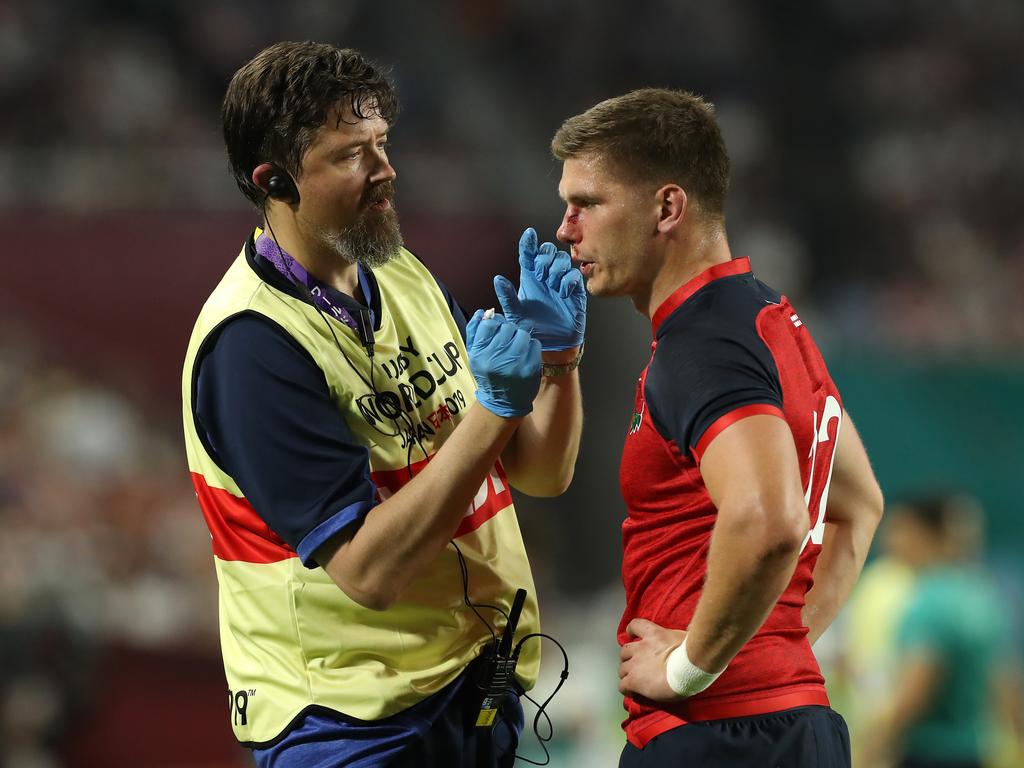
[672, 206]
[261, 176]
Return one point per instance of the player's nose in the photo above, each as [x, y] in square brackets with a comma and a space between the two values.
[568, 230]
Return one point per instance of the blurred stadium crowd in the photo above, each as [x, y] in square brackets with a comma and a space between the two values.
[876, 145]
[877, 175]
[101, 547]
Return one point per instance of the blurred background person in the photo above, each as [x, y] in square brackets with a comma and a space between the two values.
[861, 646]
[947, 696]
[877, 168]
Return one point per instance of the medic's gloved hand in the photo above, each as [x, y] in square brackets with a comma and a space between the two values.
[552, 302]
[505, 362]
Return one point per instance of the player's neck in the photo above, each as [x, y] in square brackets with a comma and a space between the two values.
[684, 262]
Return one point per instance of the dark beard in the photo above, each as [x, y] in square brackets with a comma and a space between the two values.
[375, 238]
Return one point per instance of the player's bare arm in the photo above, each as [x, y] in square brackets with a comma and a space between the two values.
[551, 304]
[851, 517]
[541, 456]
[374, 562]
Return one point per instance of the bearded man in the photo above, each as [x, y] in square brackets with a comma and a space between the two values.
[352, 440]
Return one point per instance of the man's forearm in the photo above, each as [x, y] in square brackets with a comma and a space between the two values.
[748, 570]
[541, 456]
[400, 536]
[844, 549]
[854, 510]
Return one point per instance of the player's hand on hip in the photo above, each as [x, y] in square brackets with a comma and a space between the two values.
[643, 659]
[505, 362]
[551, 302]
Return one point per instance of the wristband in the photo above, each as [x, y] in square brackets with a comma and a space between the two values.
[684, 677]
[560, 369]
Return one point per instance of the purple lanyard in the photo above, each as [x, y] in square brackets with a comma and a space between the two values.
[296, 273]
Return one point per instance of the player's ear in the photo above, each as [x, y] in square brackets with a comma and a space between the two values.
[672, 206]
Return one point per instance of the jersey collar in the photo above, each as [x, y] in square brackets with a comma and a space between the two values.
[738, 266]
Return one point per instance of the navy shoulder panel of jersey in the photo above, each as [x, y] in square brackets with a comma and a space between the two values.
[264, 411]
[710, 360]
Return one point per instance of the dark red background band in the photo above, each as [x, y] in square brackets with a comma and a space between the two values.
[238, 532]
[758, 409]
[672, 303]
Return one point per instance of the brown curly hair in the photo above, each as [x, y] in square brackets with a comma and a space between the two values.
[275, 104]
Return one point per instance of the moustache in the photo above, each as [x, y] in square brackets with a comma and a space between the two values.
[385, 191]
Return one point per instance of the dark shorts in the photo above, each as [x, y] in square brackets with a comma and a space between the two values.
[804, 737]
[433, 734]
[455, 741]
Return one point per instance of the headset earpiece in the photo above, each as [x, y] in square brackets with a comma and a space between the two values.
[281, 186]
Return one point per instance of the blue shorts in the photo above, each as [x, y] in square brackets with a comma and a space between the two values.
[803, 737]
[439, 732]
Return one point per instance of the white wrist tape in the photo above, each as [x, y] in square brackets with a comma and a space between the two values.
[684, 677]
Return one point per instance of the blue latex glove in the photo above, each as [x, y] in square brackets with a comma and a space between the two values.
[505, 362]
[552, 302]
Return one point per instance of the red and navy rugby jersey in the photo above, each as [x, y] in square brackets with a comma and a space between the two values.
[726, 346]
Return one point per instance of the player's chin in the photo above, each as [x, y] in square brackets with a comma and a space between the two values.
[597, 287]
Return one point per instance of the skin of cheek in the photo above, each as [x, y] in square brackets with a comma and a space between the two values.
[627, 258]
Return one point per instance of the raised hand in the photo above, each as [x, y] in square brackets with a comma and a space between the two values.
[505, 362]
[551, 303]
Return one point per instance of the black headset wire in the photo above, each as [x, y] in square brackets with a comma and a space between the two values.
[371, 383]
[463, 567]
[542, 708]
[464, 570]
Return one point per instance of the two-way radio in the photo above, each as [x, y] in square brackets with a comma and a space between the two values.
[499, 665]
[497, 676]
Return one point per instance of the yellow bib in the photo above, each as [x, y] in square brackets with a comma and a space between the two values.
[291, 639]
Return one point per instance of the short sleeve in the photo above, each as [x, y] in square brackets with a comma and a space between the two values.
[704, 378]
[265, 412]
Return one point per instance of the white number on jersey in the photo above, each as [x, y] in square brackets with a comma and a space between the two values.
[820, 451]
